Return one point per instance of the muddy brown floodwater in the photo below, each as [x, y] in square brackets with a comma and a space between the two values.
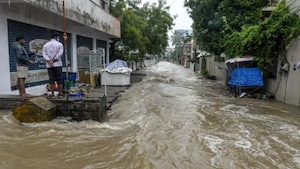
[171, 120]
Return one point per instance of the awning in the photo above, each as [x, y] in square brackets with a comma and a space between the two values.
[235, 60]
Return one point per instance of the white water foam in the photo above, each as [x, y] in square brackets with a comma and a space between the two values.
[234, 109]
[10, 119]
[287, 127]
[243, 143]
[297, 160]
[94, 124]
[212, 142]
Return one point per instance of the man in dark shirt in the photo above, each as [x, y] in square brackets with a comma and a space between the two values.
[22, 60]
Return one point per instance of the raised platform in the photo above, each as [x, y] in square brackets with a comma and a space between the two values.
[93, 106]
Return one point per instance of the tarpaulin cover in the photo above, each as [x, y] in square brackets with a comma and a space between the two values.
[246, 77]
[116, 64]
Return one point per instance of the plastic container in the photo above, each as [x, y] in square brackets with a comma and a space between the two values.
[56, 86]
[115, 79]
[75, 95]
[67, 86]
[72, 78]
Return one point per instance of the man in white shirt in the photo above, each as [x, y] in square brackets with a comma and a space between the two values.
[52, 53]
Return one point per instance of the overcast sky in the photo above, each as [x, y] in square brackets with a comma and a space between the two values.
[183, 21]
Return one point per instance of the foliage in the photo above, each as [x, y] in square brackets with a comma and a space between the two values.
[215, 19]
[237, 27]
[144, 28]
[160, 22]
[176, 38]
[132, 26]
[269, 38]
[204, 72]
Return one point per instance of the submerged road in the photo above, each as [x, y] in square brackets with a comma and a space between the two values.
[170, 120]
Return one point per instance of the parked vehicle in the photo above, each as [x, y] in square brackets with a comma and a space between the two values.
[244, 77]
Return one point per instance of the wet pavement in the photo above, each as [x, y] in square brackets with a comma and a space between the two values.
[170, 120]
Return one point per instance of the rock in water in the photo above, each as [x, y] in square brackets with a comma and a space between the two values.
[37, 109]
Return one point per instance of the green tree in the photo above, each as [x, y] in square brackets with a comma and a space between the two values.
[268, 39]
[160, 22]
[142, 28]
[177, 42]
[176, 38]
[132, 26]
[215, 19]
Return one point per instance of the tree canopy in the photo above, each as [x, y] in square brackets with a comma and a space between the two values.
[144, 27]
[269, 38]
[214, 19]
[238, 27]
[176, 38]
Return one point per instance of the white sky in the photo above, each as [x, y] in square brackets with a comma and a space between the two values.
[183, 21]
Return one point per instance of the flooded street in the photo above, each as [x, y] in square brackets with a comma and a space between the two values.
[170, 120]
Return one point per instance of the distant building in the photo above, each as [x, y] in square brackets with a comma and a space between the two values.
[187, 46]
[184, 32]
[90, 26]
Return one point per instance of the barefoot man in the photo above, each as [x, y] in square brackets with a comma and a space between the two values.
[22, 60]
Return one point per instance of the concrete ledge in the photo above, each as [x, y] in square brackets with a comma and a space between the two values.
[82, 109]
[93, 106]
[77, 108]
[10, 101]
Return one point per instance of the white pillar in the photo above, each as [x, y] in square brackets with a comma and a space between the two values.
[5, 86]
[107, 52]
[74, 52]
[94, 44]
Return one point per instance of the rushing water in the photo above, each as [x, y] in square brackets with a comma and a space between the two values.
[171, 120]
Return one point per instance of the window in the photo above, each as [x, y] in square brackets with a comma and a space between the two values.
[103, 4]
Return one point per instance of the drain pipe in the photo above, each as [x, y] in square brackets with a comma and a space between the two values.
[285, 89]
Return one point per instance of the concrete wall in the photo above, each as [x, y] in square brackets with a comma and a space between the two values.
[294, 4]
[219, 71]
[4, 56]
[34, 15]
[293, 81]
[84, 12]
[286, 88]
[37, 16]
[215, 68]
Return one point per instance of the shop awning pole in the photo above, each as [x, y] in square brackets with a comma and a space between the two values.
[65, 37]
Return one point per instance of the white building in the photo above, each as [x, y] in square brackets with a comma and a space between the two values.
[89, 26]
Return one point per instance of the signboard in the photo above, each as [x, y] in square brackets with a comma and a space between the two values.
[34, 76]
[37, 44]
[35, 38]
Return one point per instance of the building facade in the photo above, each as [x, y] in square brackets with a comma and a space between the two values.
[89, 26]
[286, 85]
